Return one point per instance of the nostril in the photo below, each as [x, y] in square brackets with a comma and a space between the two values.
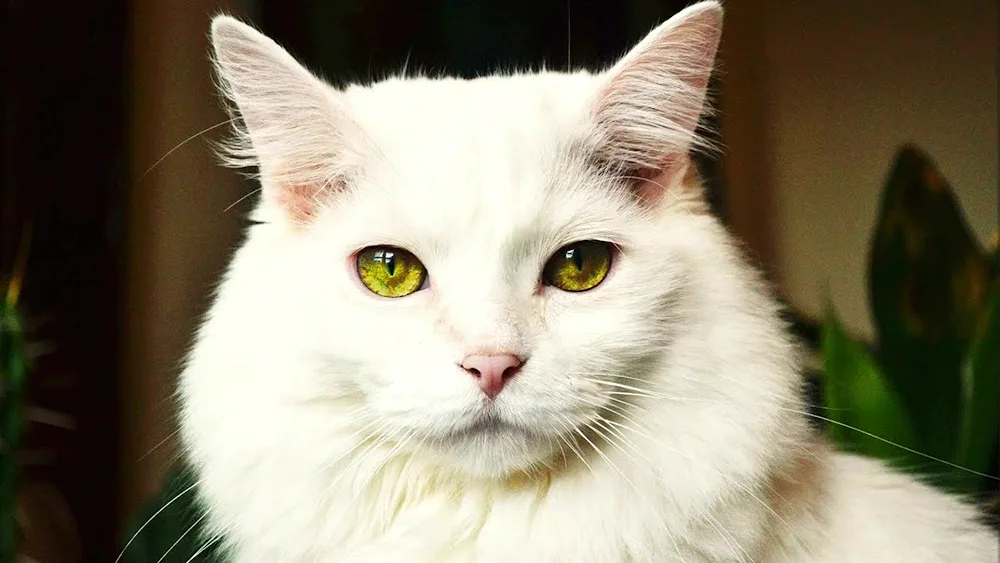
[492, 371]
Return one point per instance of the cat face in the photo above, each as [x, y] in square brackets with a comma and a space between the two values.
[478, 271]
[471, 228]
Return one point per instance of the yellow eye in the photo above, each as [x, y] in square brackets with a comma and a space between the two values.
[579, 266]
[390, 271]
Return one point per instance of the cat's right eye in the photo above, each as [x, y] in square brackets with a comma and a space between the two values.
[389, 271]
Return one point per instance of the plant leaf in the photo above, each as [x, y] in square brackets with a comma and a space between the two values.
[927, 278]
[13, 381]
[981, 401]
[858, 397]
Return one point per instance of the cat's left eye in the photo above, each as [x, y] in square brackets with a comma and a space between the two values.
[389, 271]
[579, 266]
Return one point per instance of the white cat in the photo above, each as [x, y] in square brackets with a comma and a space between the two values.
[492, 320]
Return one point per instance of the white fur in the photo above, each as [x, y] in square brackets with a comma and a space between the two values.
[326, 424]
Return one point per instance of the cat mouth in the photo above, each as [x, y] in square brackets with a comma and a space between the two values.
[487, 426]
[488, 423]
[491, 443]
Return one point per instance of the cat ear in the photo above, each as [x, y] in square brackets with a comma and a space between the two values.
[293, 128]
[648, 108]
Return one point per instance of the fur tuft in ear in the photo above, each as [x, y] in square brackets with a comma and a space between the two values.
[293, 128]
[648, 111]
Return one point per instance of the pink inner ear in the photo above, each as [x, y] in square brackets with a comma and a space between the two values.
[301, 203]
[652, 183]
[301, 192]
[649, 185]
[680, 175]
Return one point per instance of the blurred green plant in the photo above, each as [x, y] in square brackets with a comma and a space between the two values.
[928, 399]
[13, 381]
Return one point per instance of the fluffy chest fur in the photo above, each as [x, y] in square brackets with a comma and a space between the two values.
[491, 321]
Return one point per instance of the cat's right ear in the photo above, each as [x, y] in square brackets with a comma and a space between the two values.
[293, 126]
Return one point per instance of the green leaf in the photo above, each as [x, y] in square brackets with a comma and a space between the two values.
[13, 379]
[14, 367]
[981, 401]
[171, 528]
[928, 277]
[866, 413]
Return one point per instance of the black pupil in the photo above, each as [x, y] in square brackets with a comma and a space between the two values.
[576, 257]
[387, 258]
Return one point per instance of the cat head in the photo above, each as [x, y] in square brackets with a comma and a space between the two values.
[481, 269]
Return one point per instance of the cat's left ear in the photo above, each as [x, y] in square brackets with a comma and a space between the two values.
[648, 108]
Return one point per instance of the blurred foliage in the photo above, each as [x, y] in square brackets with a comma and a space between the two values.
[933, 385]
[13, 383]
[13, 378]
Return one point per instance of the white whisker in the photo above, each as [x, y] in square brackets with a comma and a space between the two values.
[202, 549]
[155, 514]
[181, 537]
[181, 144]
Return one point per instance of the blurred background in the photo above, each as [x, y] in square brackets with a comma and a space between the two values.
[109, 106]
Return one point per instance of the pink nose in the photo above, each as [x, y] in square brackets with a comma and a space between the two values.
[492, 372]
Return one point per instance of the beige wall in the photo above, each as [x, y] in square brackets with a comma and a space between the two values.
[179, 235]
[845, 84]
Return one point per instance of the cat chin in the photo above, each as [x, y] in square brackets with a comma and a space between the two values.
[495, 451]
